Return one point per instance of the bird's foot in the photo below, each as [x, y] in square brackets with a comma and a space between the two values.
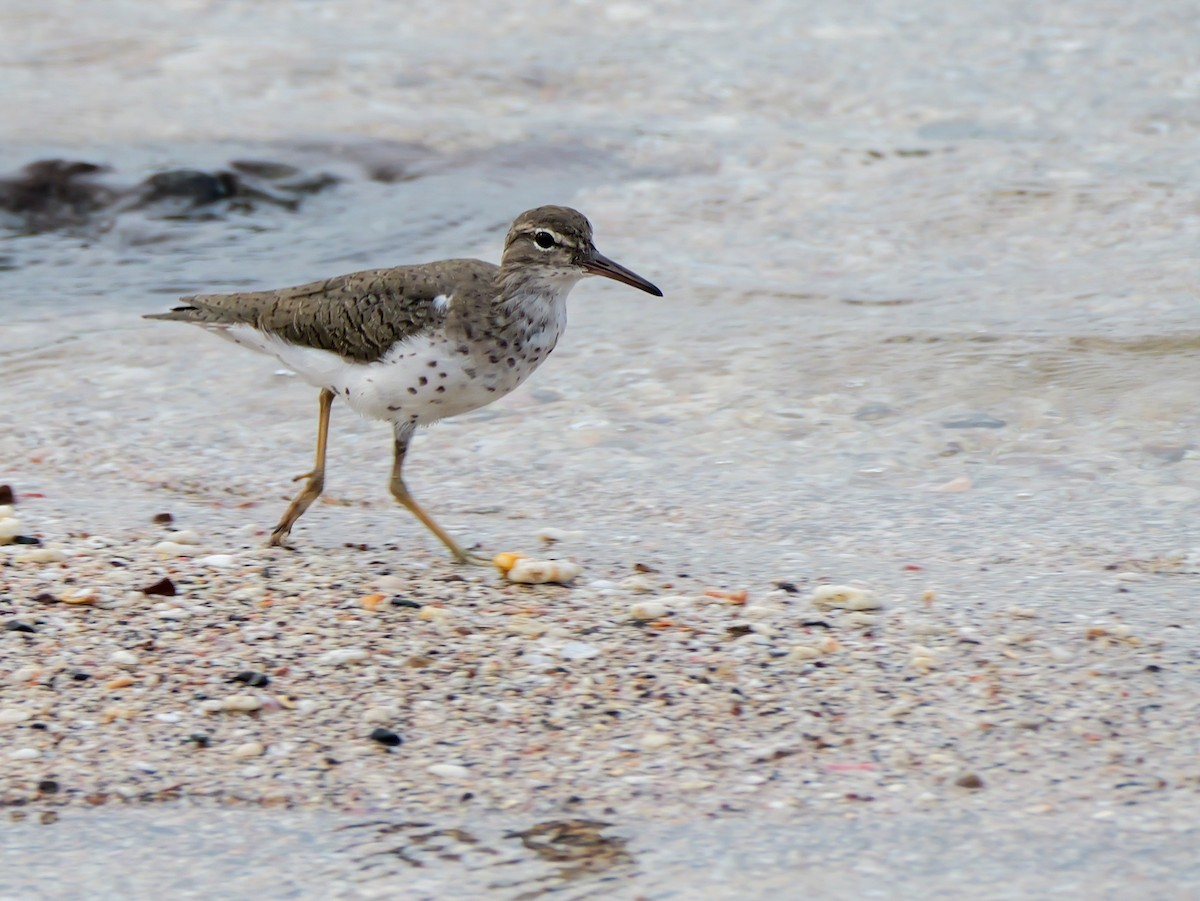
[467, 558]
[280, 538]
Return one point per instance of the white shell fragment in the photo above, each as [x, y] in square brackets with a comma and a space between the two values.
[342, 656]
[538, 572]
[10, 526]
[652, 608]
[846, 597]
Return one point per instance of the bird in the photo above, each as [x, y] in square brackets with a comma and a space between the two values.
[411, 345]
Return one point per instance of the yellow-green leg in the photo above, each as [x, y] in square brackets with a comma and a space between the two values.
[316, 478]
[404, 435]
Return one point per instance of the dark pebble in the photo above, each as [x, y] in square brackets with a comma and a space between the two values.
[27, 539]
[45, 598]
[199, 739]
[7, 498]
[969, 780]
[386, 737]
[164, 587]
[789, 587]
[15, 625]
[405, 602]
[163, 519]
[1153, 668]
[47, 817]
[81, 677]
[253, 679]
[48, 787]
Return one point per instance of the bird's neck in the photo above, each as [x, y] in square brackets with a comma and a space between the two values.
[533, 295]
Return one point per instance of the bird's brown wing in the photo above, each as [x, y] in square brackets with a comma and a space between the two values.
[357, 316]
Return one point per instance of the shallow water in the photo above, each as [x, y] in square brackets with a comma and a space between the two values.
[289, 855]
[930, 279]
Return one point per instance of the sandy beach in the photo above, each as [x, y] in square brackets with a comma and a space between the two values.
[883, 513]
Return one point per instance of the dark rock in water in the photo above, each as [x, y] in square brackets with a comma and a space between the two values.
[974, 421]
[51, 195]
[192, 185]
[15, 625]
[54, 194]
[264, 169]
[27, 539]
[386, 737]
[7, 498]
[163, 519]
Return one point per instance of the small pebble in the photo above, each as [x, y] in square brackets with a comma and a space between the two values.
[164, 587]
[123, 658]
[41, 555]
[218, 561]
[248, 750]
[15, 625]
[448, 770]
[242, 703]
[253, 679]
[653, 741]
[163, 519]
[10, 715]
[185, 536]
[652, 608]
[638, 584]
[386, 737]
[174, 549]
[25, 754]
[380, 714]
[846, 597]
[803, 652]
[540, 572]
[969, 780]
[550, 535]
[578, 650]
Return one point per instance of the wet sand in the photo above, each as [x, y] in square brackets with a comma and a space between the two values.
[929, 331]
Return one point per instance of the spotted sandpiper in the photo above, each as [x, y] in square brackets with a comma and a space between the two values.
[415, 344]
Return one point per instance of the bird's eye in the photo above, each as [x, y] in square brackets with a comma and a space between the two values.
[544, 240]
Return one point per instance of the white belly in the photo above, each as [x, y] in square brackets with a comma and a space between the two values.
[420, 380]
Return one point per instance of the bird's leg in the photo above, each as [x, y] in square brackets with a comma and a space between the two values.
[404, 433]
[316, 478]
